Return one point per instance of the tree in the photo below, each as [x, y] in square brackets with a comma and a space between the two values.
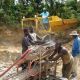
[11, 13]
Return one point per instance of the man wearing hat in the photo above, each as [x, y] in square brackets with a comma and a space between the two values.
[45, 20]
[75, 50]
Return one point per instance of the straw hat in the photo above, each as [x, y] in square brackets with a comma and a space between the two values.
[74, 33]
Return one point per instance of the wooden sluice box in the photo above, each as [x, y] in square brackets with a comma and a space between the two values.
[38, 64]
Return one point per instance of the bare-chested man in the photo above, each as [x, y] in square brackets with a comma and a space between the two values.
[61, 52]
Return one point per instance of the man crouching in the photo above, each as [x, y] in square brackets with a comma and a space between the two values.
[67, 59]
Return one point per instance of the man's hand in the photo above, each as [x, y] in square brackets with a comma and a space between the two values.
[50, 58]
[46, 59]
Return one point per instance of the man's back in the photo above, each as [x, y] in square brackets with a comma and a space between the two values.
[76, 47]
[66, 56]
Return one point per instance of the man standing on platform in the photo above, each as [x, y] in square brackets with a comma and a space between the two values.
[45, 20]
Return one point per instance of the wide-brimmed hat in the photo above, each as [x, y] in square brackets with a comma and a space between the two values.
[74, 33]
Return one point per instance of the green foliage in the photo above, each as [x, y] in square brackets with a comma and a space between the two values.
[11, 13]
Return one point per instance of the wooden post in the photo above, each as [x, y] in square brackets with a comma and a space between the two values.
[22, 23]
[55, 68]
[40, 66]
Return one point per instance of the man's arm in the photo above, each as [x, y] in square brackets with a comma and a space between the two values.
[53, 53]
[40, 14]
[47, 14]
[56, 58]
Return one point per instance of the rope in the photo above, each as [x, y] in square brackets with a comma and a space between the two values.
[20, 59]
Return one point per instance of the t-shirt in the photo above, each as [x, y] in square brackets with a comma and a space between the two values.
[25, 43]
[76, 47]
[33, 36]
[45, 17]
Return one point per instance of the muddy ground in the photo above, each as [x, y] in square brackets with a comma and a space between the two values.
[10, 48]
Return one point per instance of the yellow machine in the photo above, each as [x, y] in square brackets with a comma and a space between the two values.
[56, 24]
